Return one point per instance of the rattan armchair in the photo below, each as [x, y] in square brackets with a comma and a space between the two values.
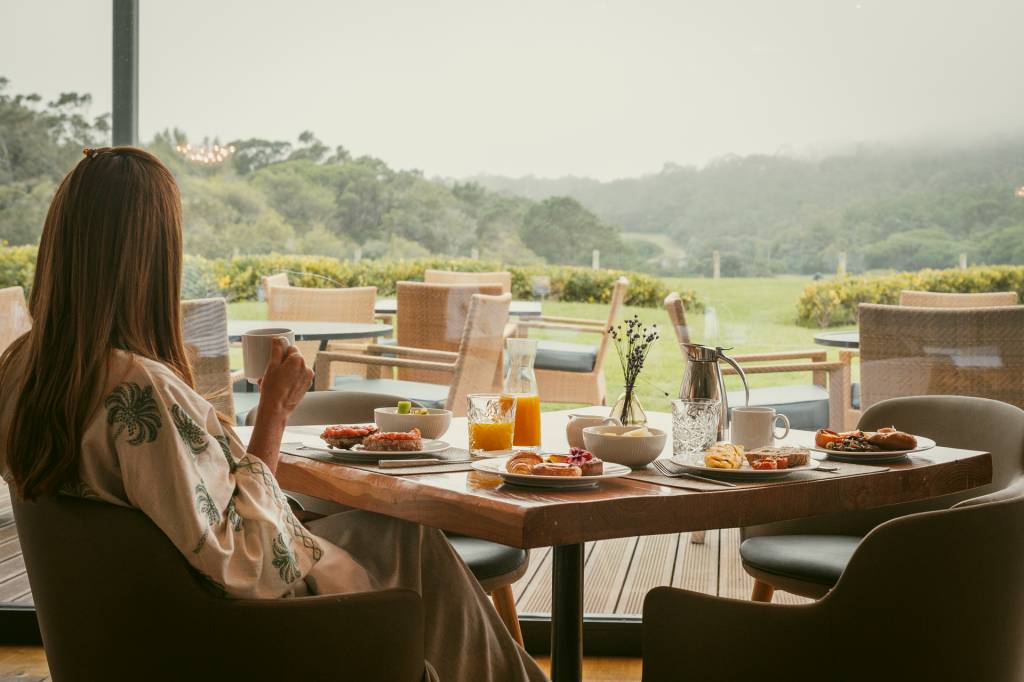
[934, 299]
[502, 279]
[474, 368]
[942, 351]
[204, 324]
[14, 317]
[565, 386]
[433, 317]
[835, 375]
[325, 305]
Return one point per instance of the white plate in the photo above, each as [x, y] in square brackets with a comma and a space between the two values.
[880, 456]
[745, 472]
[360, 452]
[496, 466]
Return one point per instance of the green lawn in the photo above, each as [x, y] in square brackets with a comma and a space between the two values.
[754, 314]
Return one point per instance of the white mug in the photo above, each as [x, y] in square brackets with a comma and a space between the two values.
[755, 427]
[256, 346]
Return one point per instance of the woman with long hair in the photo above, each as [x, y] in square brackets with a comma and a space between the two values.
[97, 400]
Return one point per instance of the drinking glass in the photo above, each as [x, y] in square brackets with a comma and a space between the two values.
[694, 425]
[492, 421]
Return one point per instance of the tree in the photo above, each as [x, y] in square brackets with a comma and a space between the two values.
[560, 230]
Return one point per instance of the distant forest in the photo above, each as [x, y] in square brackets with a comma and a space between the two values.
[887, 207]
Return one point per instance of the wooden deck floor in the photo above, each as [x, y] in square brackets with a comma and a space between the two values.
[618, 573]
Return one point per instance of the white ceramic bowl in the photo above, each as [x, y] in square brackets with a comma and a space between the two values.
[434, 424]
[636, 452]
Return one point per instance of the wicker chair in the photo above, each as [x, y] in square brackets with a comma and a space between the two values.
[475, 368]
[324, 305]
[502, 279]
[269, 281]
[932, 299]
[14, 317]
[942, 351]
[204, 324]
[801, 404]
[574, 373]
[433, 317]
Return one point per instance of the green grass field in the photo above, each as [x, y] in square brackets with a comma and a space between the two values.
[751, 314]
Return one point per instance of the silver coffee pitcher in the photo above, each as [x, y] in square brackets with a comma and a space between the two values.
[703, 379]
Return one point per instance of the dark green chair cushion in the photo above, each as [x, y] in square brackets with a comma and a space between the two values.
[487, 559]
[806, 406]
[566, 357]
[427, 395]
[818, 559]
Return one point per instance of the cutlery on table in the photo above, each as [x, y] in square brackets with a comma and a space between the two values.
[664, 470]
[402, 463]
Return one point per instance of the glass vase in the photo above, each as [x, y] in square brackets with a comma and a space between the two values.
[628, 410]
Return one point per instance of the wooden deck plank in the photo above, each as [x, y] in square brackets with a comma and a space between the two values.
[605, 573]
[11, 567]
[13, 589]
[537, 558]
[696, 566]
[536, 598]
[652, 566]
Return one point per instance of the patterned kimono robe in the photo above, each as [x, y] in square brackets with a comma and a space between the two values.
[157, 446]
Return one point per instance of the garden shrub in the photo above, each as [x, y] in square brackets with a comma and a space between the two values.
[239, 278]
[833, 303]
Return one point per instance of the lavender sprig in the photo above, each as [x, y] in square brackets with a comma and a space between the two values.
[633, 343]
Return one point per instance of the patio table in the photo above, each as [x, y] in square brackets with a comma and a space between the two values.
[476, 504]
[310, 330]
[389, 306]
[849, 340]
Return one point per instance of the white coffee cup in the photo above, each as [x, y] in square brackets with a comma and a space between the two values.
[256, 345]
[755, 427]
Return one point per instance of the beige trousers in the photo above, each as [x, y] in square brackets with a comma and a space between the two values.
[465, 639]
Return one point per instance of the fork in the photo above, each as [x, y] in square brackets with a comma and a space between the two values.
[664, 470]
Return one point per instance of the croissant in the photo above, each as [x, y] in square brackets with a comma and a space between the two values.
[523, 463]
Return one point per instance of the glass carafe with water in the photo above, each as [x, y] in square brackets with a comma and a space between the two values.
[521, 384]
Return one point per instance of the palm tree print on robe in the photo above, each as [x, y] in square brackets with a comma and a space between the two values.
[206, 505]
[132, 409]
[193, 436]
[225, 447]
[284, 559]
[234, 518]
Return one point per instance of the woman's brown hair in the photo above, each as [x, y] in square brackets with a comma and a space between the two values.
[108, 276]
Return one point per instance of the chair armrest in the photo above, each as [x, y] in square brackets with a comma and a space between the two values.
[366, 636]
[712, 638]
[819, 355]
[409, 352]
[531, 324]
[237, 375]
[568, 320]
[791, 367]
[327, 357]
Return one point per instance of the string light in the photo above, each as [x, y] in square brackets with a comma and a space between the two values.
[1020, 192]
[206, 155]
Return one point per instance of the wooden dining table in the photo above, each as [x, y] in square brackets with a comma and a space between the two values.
[477, 504]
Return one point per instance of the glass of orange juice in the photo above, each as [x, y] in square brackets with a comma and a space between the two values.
[527, 431]
[492, 421]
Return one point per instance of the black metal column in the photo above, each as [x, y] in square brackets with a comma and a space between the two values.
[567, 613]
[125, 117]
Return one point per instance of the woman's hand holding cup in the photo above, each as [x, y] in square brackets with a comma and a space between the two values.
[286, 380]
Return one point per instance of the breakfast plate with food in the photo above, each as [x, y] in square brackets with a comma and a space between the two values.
[578, 469]
[884, 445]
[367, 441]
[728, 461]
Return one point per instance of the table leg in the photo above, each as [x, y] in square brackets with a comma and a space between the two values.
[323, 344]
[567, 613]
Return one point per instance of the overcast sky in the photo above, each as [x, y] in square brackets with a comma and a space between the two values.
[548, 87]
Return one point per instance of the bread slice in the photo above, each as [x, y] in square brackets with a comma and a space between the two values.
[795, 457]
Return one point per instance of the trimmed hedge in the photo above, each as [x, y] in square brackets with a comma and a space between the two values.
[239, 278]
[834, 302]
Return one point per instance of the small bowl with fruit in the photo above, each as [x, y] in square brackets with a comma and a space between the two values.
[432, 422]
[633, 446]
